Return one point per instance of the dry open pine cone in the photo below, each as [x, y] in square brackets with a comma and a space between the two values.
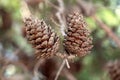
[42, 37]
[113, 69]
[77, 40]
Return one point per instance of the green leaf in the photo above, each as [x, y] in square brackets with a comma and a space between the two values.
[91, 24]
[100, 33]
[108, 17]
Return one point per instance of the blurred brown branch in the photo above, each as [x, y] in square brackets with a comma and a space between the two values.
[6, 19]
[60, 16]
[87, 8]
[108, 31]
[68, 75]
[90, 11]
[36, 68]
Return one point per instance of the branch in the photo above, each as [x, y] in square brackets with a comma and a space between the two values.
[65, 56]
[62, 22]
[60, 69]
[60, 16]
[107, 30]
[52, 5]
[91, 10]
[68, 75]
[36, 67]
[24, 10]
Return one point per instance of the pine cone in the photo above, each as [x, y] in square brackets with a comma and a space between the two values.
[43, 39]
[77, 41]
[113, 69]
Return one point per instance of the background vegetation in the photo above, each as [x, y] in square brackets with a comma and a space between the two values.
[16, 55]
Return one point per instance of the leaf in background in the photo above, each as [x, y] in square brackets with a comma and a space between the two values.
[87, 61]
[108, 17]
[12, 6]
[84, 75]
[106, 43]
[91, 24]
[117, 11]
[100, 33]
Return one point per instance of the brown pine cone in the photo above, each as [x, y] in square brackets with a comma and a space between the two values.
[43, 39]
[113, 69]
[77, 41]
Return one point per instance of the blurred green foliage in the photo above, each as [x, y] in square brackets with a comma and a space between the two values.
[108, 16]
[104, 49]
[11, 6]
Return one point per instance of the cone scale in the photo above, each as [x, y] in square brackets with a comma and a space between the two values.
[77, 40]
[42, 37]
